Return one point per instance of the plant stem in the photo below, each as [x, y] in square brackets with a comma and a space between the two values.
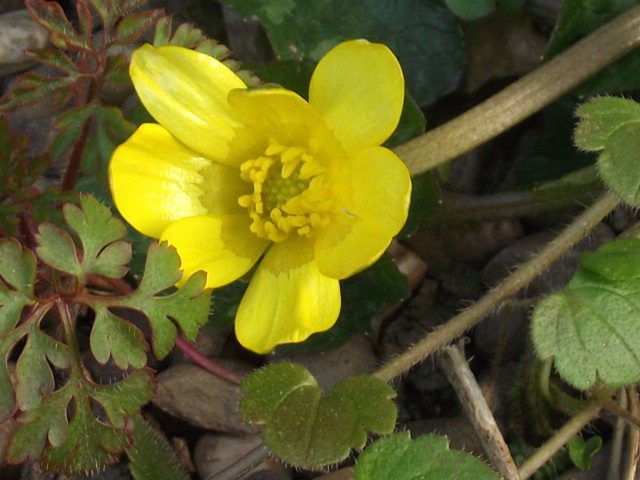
[561, 438]
[509, 287]
[525, 96]
[206, 363]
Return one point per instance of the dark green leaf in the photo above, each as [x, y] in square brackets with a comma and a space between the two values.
[398, 457]
[309, 428]
[151, 457]
[293, 75]
[51, 16]
[422, 33]
[581, 451]
[55, 58]
[471, 9]
[425, 196]
[412, 124]
[116, 70]
[33, 88]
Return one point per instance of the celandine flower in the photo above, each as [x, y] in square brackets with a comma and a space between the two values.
[231, 175]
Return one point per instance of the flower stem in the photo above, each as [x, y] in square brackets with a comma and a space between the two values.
[525, 96]
[509, 287]
[206, 363]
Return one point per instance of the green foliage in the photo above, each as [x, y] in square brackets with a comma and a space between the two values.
[612, 125]
[590, 327]
[67, 419]
[476, 9]
[149, 444]
[309, 428]
[422, 33]
[398, 457]
[580, 17]
[581, 452]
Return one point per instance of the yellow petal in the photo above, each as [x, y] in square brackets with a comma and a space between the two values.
[279, 114]
[220, 245]
[288, 299]
[373, 192]
[358, 89]
[156, 180]
[186, 91]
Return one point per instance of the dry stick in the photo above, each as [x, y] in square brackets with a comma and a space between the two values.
[525, 96]
[509, 287]
[457, 369]
[617, 442]
[633, 443]
[561, 438]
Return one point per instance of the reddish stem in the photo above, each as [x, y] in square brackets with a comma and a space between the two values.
[71, 174]
[206, 363]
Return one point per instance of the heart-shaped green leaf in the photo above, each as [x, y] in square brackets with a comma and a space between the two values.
[309, 428]
[428, 457]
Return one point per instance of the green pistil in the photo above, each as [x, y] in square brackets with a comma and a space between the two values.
[277, 191]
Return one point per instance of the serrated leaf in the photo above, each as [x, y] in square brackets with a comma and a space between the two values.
[56, 249]
[581, 452]
[115, 337]
[398, 457]
[601, 117]
[188, 307]
[33, 88]
[424, 34]
[116, 71]
[18, 270]
[151, 456]
[63, 35]
[54, 58]
[69, 126]
[590, 327]
[309, 428]
[99, 233]
[81, 443]
[134, 25]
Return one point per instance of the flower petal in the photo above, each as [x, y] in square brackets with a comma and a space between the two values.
[221, 245]
[358, 89]
[156, 180]
[186, 91]
[279, 114]
[373, 189]
[288, 299]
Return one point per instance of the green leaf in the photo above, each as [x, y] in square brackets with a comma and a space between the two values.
[33, 88]
[56, 249]
[309, 428]
[365, 298]
[133, 26]
[581, 452]
[188, 307]
[99, 233]
[411, 124]
[78, 442]
[151, 456]
[615, 260]
[600, 118]
[613, 126]
[425, 197]
[423, 34]
[51, 16]
[580, 17]
[114, 336]
[18, 270]
[590, 327]
[471, 9]
[398, 457]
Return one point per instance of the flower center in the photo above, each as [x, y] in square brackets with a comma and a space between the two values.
[290, 193]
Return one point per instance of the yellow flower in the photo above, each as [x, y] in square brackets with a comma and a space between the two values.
[232, 175]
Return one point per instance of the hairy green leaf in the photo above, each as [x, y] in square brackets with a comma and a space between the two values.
[398, 457]
[133, 26]
[80, 442]
[309, 428]
[18, 270]
[590, 327]
[63, 35]
[424, 35]
[613, 126]
[151, 456]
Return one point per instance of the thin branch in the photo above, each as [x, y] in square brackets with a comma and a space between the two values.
[525, 96]
[560, 439]
[509, 287]
[206, 363]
